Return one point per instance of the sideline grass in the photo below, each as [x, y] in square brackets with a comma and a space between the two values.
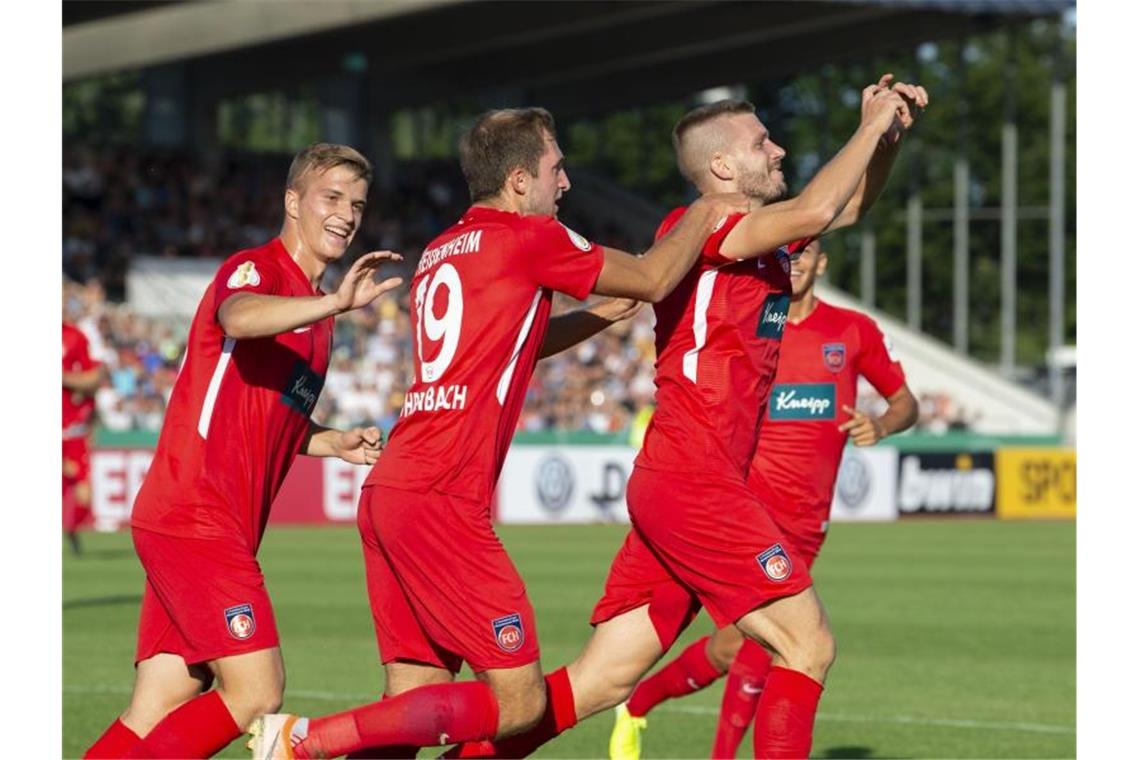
[956, 638]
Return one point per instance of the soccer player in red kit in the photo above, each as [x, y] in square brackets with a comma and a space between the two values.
[238, 415]
[809, 416]
[699, 535]
[81, 378]
[442, 588]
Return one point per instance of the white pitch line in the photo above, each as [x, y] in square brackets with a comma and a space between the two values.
[1045, 728]
[1039, 728]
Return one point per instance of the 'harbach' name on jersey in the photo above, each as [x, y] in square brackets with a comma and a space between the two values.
[468, 242]
[435, 399]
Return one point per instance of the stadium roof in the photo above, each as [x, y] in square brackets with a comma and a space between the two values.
[570, 56]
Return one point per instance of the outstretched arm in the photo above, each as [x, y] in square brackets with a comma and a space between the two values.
[252, 315]
[825, 197]
[653, 276]
[570, 329]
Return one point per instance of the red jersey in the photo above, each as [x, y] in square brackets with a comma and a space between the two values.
[78, 408]
[481, 301]
[718, 339]
[239, 410]
[801, 445]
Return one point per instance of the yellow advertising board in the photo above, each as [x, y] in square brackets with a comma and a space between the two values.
[1036, 483]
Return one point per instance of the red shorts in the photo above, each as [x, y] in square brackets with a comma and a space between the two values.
[805, 543]
[441, 585]
[705, 542]
[205, 598]
[76, 471]
[76, 461]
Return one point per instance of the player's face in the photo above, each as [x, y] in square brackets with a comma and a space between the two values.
[328, 208]
[809, 264]
[757, 159]
[547, 188]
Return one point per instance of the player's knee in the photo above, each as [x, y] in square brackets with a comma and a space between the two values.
[722, 651]
[521, 710]
[812, 652]
[250, 699]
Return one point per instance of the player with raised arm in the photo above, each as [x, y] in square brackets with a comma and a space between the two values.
[700, 535]
[809, 416]
[255, 362]
[442, 588]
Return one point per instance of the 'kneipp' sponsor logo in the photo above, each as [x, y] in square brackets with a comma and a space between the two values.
[509, 633]
[802, 401]
[240, 622]
[773, 316]
[775, 563]
[303, 388]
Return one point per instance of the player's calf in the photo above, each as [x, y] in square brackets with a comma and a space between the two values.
[162, 683]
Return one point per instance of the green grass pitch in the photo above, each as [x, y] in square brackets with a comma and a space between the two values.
[956, 638]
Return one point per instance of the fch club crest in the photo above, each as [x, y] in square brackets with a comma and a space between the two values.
[509, 633]
[834, 356]
[775, 563]
[240, 622]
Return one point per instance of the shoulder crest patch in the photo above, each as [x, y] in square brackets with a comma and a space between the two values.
[579, 242]
[245, 274]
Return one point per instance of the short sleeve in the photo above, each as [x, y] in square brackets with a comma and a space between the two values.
[252, 274]
[558, 258]
[79, 354]
[877, 361]
[711, 251]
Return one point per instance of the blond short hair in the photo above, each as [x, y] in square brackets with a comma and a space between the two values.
[320, 157]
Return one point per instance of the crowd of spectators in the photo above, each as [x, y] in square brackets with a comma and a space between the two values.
[122, 203]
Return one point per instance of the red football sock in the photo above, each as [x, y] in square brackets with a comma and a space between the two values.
[114, 743]
[200, 728]
[394, 752]
[424, 717]
[741, 694]
[785, 715]
[690, 672]
[558, 716]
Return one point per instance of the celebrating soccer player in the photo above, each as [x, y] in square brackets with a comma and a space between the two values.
[810, 414]
[239, 413]
[442, 588]
[700, 534]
